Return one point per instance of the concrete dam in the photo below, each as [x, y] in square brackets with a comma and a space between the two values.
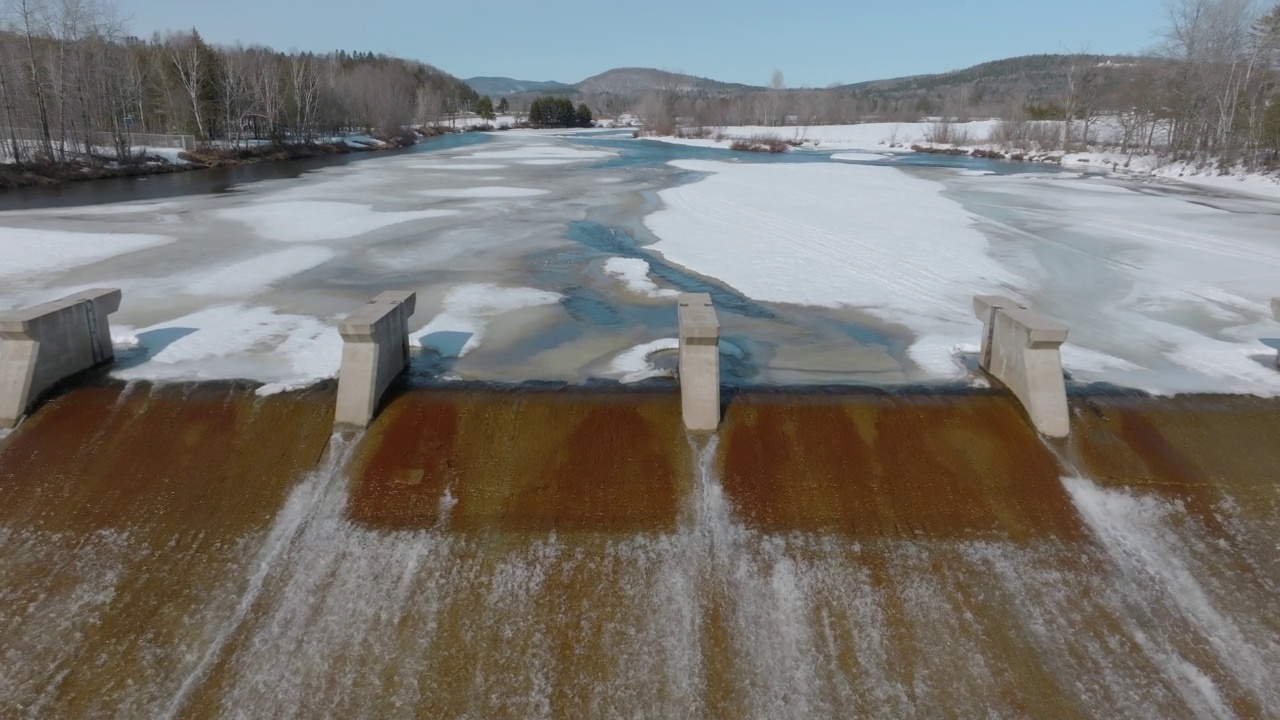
[792, 463]
[194, 550]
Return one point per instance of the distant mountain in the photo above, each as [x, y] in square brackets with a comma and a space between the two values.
[627, 81]
[501, 86]
[1026, 76]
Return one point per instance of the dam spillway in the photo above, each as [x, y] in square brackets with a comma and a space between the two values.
[525, 551]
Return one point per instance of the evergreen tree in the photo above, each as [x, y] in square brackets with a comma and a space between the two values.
[584, 116]
[503, 106]
[484, 108]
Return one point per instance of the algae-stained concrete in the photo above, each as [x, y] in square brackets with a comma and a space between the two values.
[892, 466]
[526, 460]
[186, 456]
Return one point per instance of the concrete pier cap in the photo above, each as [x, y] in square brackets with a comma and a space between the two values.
[375, 349]
[1020, 348]
[42, 345]
[699, 362]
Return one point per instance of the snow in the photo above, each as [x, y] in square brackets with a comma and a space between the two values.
[493, 191]
[312, 221]
[634, 272]
[837, 235]
[1239, 181]
[634, 364]
[467, 311]
[864, 136]
[25, 251]
[1166, 293]
[228, 342]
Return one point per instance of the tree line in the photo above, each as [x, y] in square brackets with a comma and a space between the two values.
[1210, 90]
[558, 112]
[74, 82]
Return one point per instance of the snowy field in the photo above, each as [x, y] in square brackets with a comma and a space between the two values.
[900, 137]
[828, 271]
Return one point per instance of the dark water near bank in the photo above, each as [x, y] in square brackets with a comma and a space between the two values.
[203, 182]
[632, 154]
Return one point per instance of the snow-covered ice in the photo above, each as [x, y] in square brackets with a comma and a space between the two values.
[461, 324]
[635, 364]
[248, 277]
[836, 235]
[634, 272]
[228, 342]
[491, 191]
[856, 271]
[25, 251]
[313, 221]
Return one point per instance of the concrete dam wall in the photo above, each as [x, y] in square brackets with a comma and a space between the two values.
[198, 551]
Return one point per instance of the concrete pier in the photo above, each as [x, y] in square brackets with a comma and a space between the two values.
[1020, 349]
[375, 350]
[699, 362]
[42, 345]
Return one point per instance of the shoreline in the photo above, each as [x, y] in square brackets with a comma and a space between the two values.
[13, 177]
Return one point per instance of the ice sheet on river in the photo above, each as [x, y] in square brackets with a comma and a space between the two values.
[825, 269]
[1163, 293]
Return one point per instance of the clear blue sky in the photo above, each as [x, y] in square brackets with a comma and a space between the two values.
[813, 43]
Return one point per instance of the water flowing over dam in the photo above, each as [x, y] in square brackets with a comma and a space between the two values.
[547, 551]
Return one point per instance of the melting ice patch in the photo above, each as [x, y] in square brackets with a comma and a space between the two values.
[232, 342]
[256, 274]
[543, 152]
[31, 252]
[314, 221]
[491, 191]
[835, 235]
[635, 364]
[634, 272]
[462, 322]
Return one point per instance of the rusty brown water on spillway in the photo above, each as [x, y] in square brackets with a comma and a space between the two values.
[198, 551]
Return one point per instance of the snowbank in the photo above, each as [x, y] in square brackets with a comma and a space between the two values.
[864, 136]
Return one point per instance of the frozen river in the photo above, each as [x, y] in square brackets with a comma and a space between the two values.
[554, 257]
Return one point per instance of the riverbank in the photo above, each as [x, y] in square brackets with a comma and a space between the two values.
[205, 157]
[975, 139]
